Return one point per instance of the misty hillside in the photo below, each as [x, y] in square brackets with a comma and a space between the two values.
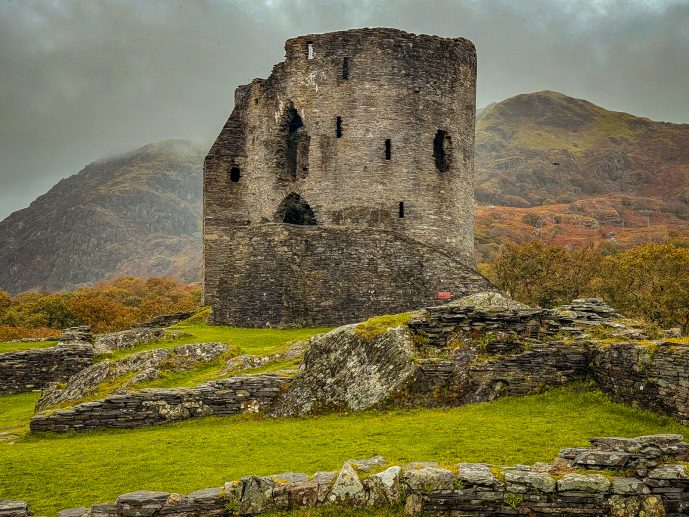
[133, 214]
[545, 147]
[564, 159]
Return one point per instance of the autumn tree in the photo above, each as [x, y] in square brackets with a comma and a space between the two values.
[649, 281]
[543, 274]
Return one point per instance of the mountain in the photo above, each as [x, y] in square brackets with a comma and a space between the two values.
[134, 214]
[575, 174]
[545, 147]
[547, 165]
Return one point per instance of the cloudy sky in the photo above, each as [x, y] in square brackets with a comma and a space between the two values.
[80, 79]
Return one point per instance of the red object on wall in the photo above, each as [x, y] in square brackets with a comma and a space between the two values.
[444, 295]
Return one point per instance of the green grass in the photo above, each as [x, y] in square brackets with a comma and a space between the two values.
[16, 347]
[249, 340]
[15, 412]
[61, 471]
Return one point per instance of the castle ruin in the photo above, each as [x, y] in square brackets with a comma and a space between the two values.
[342, 186]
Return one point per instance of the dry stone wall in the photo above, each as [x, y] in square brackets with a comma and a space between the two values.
[34, 369]
[641, 478]
[157, 406]
[366, 129]
[652, 377]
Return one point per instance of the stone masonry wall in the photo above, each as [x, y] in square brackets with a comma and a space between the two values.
[651, 377]
[360, 129]
[286, 274]
[156, 406]
[648, 483]
[29, 370]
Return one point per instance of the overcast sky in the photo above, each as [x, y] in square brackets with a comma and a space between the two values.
[83, 78]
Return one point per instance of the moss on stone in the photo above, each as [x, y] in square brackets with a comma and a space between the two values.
[377, 325]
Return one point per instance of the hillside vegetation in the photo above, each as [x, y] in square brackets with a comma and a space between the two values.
[107, 306]
[134, 214]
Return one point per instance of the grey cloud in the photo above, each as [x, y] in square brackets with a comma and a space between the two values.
[84, 78]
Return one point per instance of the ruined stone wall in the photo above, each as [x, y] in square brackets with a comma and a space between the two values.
[650, 377]
[368, 128]
[157, 406]
[649, 483]
[317, 275]
[29, 370]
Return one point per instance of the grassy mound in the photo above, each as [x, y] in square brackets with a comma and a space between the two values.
[186, 456]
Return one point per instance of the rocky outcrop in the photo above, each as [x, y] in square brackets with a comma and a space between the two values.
[127, 339]
[648, 488]
[34, 369]
[251, 394]
[144, 365]
[342, 370]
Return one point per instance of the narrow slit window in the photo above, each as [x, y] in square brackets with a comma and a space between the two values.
[388, 149]
[338, 127]
[309, 50]
[235, 174]
[401, 210]
[345, 68]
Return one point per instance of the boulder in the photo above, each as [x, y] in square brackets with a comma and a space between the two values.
[344, 370]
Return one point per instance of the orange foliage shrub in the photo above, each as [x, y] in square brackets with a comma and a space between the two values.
[108, 306]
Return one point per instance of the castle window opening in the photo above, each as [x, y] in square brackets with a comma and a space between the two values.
[442, 150]
[338, 127]
[345, 68]
[401, 210]
[235, 174]
[388, 149]
[309, 50]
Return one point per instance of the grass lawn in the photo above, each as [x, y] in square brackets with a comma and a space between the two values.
[60, 471]
[250, 341]
[15, 347]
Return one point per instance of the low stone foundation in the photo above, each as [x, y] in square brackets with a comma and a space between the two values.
[640, 478]
[29, 370]
[654, 377]
[156, 406]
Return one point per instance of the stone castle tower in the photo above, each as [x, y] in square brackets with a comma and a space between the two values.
[341, 186]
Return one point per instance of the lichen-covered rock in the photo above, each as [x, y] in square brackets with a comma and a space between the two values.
[489, 301]
[521, 481]
[668, 472]
[628, 486]
[13, 508]
[478, 474]
[105, 343]
[652, 506]
[343, 370]
[347, 489]
[144, 364]
[384, 487]
[255, 495]
[368, 464]
[427, 479]
[583, 483]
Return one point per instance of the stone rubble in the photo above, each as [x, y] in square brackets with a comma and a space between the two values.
[472, 489]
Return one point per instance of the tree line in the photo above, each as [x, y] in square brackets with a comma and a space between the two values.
[649, 282]
[107, 306]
